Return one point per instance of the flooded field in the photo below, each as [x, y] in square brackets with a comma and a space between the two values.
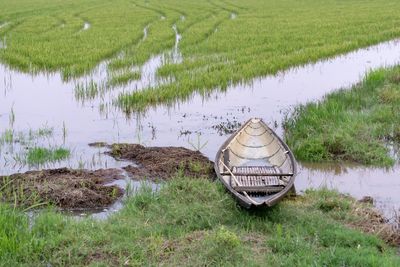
[32, 102]
[112, 113]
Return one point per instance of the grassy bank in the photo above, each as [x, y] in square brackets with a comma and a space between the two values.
[350, 125]
[223, 42]
[196, 223]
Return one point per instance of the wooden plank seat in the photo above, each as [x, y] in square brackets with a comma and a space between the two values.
[257, 171]
[257, 179]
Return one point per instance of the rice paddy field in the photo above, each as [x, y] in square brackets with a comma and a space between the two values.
[76, 76]
[223, 42]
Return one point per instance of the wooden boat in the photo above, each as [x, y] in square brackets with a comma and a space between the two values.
[255, 165]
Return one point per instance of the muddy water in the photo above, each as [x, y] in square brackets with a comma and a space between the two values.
[44, 99]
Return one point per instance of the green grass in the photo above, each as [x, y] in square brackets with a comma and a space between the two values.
[124, 78]
[355, 125]
[7, 137]
[41, 155]
[265, 37]
[196, 223]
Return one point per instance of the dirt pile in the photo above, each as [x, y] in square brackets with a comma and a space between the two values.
[64, 188]
[374, 222]
[163, 162]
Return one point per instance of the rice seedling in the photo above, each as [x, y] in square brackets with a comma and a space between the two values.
[42, 132]
[123, 78]
[11, 118]
[22, 148]
[7, 137]
[89, 90]
[41, 155]
[12, 137]
[64, 132]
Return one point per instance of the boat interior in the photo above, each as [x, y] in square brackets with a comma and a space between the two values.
[255, 163]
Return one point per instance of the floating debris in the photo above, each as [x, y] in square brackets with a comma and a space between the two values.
[98, 144]
[228, 127]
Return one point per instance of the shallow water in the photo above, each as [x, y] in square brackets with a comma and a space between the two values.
[44, 99]
[383, 185]
[145, 32]
[86, 26]
[131, 187]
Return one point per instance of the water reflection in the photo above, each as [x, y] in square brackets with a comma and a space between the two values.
[383, 185]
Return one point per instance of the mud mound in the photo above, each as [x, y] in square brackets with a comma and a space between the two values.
[64, 188]
[163, 162]
[373, 222]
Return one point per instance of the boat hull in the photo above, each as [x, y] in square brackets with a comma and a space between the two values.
[252, 144]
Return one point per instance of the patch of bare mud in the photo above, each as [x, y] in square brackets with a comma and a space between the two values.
[64, 188]
[373, 222]
[163, 163]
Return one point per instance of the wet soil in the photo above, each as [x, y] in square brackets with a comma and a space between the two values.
[162, 163]
[374, 222]
[64, 188]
